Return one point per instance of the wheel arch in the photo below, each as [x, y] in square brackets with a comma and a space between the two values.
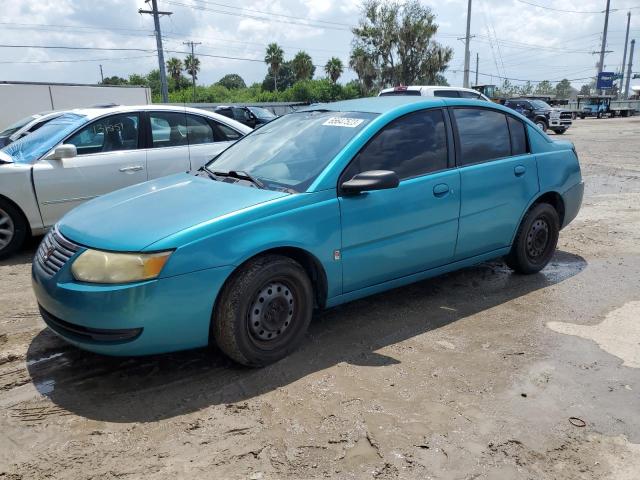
[551, 197]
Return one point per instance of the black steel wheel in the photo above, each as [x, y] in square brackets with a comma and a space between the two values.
[536, 240]
[263, 311]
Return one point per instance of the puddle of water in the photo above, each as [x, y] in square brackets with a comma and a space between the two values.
[44, 359]
[618, 334]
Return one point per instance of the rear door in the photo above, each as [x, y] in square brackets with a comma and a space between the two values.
[388, 234]
[498, 176]
[108, 159]
[207, 138]
[168, 148]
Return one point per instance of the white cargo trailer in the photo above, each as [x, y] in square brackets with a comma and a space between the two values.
[21, 99]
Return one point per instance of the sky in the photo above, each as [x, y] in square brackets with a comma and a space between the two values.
[513, 38]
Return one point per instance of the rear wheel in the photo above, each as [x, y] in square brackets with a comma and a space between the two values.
[536, 240]
[13, 229]
[263, 311]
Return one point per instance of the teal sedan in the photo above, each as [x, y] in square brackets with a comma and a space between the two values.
[316, 208]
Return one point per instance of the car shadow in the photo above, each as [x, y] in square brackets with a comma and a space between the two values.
[143, 389]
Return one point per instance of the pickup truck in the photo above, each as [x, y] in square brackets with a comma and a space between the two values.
[542, 114]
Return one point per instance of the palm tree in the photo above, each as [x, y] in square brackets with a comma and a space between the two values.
[334, 69]
[274, 58]
[361, 63]
[174, 67]
[302, 64]
[192, 66]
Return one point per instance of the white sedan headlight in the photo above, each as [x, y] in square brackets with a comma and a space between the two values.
[95, 266]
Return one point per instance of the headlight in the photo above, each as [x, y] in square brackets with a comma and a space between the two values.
[94, 266]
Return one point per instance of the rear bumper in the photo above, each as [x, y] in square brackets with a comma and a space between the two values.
[572, 199]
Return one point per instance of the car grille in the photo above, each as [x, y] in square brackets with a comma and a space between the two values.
[54, 252]
[565, 115]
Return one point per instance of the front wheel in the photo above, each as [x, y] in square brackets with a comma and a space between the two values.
[13, 229]
[263, 311]
[536, 240]
[542, 125]
[560, 131]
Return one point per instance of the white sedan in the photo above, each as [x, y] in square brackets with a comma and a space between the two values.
[85, 153]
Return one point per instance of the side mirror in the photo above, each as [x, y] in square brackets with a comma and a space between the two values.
[63, 151]
[371, 180]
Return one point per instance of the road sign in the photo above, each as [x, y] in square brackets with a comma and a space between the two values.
[605, 80]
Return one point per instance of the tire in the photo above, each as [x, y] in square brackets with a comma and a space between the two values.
[582, 117]
[542, 125]
[599, 115]
[536, 240]
[251, 324]
[13, 229]
[560, 131]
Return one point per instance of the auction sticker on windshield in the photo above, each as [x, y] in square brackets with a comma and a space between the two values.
[343, 122]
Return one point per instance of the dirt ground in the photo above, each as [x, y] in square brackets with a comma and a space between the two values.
[473, 375]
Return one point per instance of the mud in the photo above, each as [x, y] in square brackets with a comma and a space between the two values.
[473, 375]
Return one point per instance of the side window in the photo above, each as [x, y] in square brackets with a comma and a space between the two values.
[199, 130]
[109, 134]
[465, 94]
[483, 133]
[224, 133]
[518, 136]
[446, 93]
[413, 145]
[168, 129]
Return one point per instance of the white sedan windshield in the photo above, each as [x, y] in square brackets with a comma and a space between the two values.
[30, 148]
[291, 151]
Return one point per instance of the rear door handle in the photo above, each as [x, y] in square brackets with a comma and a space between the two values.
[440, 190]
[134, 168]
[519, 170]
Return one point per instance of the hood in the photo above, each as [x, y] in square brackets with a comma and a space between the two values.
[135, 217]
[4, 158]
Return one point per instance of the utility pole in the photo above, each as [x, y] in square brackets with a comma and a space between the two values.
[193, 75]
[604, 41]
[624, 57]
[467, 39]
[156, 21]
[102, 76]
[626, 88]
[477, 66]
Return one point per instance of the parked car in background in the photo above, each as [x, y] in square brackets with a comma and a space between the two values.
[434, 91]
[85, 153]
[542, 114]
[251, 116]
[320, 207]
[30, 127]
[15, 127]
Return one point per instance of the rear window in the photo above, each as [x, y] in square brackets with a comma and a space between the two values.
[414, 93]
[484, 135]
[518, 136]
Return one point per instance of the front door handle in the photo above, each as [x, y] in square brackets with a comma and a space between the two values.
[440, 190]
[133, 168]
[519, 170]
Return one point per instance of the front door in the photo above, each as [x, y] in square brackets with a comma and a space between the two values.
[108, 159]
[389, 234]
[499, 179]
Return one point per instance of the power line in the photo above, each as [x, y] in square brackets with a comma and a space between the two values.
[75, 60]
[571, 11]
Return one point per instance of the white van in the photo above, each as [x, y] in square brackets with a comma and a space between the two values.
[434, 91]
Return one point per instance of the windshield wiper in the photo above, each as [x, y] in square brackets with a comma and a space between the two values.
[242, 175]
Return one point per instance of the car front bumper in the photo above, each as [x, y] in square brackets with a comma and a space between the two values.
[157, 316]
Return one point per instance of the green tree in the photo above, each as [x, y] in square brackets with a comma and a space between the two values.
[507, 89]
[286, 78]
[334, 69]
[526, 89]
[563, 89]
[398, 40]
[139, 80]
[232, 81]
[544, 88]
[192, 66]
[303, 67]
[115, 80]
[174, 68]
[362, 63]
[274, 58]
[585, 89]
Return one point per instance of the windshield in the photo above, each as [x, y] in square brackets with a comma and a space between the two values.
[16, 126]
[30, 148]
[540, 104]
[291, 151]
[262, 113]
